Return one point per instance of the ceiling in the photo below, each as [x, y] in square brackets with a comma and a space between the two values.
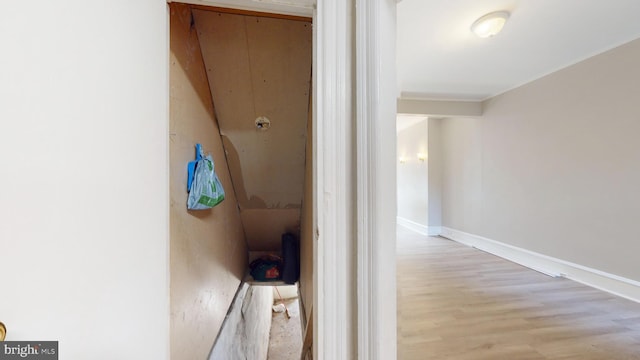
[439, 58]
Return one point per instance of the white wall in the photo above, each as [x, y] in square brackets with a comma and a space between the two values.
[554, 166]
[462, 174]
[83, 176]
[435, 176]
[413, 175]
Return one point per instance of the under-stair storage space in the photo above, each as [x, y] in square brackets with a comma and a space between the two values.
[273, 268]
[259, 71]
[241, 87]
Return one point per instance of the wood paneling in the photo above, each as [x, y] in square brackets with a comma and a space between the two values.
[260, 66]
[456, 302]
[264, 227]
[208, 249]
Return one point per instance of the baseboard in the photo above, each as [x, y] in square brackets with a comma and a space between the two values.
[614, 284]
[435, 230]
[412, 225]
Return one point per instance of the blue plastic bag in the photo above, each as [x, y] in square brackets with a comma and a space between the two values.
[205, 189]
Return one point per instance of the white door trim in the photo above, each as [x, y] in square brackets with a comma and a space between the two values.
[376, 178]
[334, 334]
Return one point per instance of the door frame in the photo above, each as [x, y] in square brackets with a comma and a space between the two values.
[354, 109]
[373, 334]
[376, 178]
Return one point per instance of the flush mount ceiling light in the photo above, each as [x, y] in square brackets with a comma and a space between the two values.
[490, 24]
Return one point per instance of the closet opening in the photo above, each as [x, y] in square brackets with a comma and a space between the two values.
[240, 85]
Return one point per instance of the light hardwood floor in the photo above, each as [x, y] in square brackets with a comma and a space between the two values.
[456, 302]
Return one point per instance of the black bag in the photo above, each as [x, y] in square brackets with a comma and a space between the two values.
[291, 258]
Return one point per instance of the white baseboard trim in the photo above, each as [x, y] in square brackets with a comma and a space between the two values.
[614, 284]
[412, 225]
[435, 230]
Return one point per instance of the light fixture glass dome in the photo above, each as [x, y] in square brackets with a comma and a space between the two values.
[490, 24]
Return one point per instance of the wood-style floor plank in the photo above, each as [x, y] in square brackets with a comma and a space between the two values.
[457, 302]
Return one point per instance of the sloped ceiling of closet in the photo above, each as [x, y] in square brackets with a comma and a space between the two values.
[260, 67]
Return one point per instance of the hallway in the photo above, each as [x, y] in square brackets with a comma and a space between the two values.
[456, 302]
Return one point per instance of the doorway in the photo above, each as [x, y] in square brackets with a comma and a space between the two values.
[354, 191]
[240, 86]
[413, 172]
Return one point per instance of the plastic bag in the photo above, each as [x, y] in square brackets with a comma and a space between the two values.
[205, 189]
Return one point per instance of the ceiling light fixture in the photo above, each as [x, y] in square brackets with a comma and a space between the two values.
[490, 24]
